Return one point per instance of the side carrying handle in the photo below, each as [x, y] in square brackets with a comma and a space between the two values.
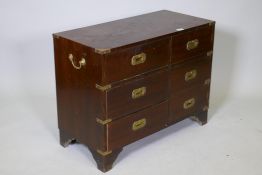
[81, 63]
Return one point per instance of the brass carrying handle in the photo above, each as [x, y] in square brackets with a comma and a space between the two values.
[190, 45]
[190, 75]
[189, 103]
[138, 59]
[139, 124]
[81, 63]
[139, 92]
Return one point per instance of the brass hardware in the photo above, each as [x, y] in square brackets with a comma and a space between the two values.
[102, 51]
[139, 92]
[103, 153]
[192, 44]
[189, 103]
[207, 81]
[103, 88]
[81, 63]
[209, 53]
[103, 122]
[139, 124]
[190, 75]
[205, 108]
[138, 59]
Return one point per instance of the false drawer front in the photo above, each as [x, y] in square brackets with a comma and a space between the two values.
[197, 71]
[137, 125]
[192, 43]
[137, 94]
[189, 102]
[128, 62]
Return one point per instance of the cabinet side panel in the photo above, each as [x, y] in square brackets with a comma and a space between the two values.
[78, 101]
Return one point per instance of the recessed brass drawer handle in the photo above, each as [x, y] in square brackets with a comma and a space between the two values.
[190, 75]
[139, 124]
[81, 63]
[192, 44]
[138, 59]
[189, 103]
[139, 92]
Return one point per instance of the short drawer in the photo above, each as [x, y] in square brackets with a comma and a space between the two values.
[131, 61]
[189, 102]
[137, 94]
[197, 71]
[192, 43]
[137, 125]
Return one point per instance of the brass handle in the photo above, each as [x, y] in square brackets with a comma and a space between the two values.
[139, 92]
[190, 75]
[138, 59]
[189, 103]
[192, 44]
[139, 124]
[81, 63]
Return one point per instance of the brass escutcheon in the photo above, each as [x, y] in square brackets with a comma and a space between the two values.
[139, 124]
[190, 75]
[192, 44]
[139, 92]
[189, 103]
[138, 59]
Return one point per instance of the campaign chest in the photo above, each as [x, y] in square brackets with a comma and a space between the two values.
[121, 81]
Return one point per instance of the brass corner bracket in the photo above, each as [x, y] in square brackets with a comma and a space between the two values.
[103, 122]
[209, 53]
[103, 153]
[102, 51]
[103, 88]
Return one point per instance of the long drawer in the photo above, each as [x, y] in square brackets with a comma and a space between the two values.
[135, 60]
[137, 94]
[137, 125]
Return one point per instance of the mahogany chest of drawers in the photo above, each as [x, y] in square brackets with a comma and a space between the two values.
[121, 81]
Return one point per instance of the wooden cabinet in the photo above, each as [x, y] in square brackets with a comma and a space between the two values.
[121, 81]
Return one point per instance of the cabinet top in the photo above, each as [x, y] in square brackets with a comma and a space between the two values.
[131, 30]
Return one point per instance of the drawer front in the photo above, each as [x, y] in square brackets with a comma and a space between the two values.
[189, 102]
[137, 94]
[137, 125]
[122, 64]
[186, 75]
[189, 44]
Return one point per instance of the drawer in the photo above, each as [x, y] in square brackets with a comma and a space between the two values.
[197, 71]
[192, 43]
[137, 94]
[128, 62]
[189, 102]
[137, 125]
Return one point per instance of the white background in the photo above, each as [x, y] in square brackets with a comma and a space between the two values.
[28, 125]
